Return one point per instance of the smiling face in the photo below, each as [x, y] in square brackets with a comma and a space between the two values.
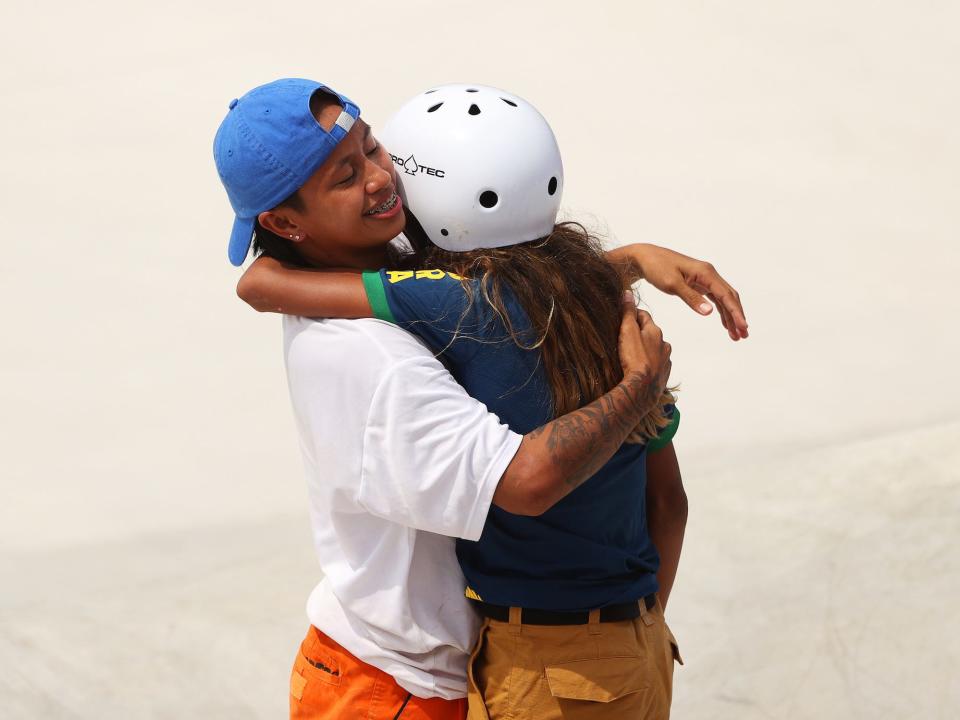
[349, 209]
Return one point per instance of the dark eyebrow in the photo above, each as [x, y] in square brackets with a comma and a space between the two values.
[346, 160]
[366, 134]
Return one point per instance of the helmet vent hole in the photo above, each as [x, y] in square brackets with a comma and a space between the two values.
[489, 199]
[511, 103]
[552, 186]
[429, 91]
[472, 90]
[435, 107]
[444, 232]
[474, 110]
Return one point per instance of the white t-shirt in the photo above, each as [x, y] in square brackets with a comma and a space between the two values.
[399, 461]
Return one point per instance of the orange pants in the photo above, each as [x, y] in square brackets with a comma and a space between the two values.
[328, 682]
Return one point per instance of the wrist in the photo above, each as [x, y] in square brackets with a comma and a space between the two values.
[639, 254]
[638, 386]
[637, 376]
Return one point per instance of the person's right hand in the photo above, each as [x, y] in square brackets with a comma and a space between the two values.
[643, 351]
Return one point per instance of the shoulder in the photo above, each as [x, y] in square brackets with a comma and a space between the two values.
[347, 350]
[366, 341]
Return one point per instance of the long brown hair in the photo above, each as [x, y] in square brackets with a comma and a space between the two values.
[572, 297]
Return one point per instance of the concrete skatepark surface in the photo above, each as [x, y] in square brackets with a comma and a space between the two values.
[154, 548]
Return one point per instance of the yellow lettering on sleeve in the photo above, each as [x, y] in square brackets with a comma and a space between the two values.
[396, 276]
[430, 274]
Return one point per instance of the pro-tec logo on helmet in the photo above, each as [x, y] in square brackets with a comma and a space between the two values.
[411, 167]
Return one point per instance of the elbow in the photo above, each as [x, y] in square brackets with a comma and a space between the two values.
[683, 506]
[673, 504]
[532, 507]
[530, 489]
[248, 290]
[542, 490]
[540, 497]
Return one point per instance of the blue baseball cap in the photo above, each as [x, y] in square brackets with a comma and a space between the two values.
[268, 146]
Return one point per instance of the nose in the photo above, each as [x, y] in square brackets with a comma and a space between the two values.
[377, 178]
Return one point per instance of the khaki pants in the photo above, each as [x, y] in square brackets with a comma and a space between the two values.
[621, 670]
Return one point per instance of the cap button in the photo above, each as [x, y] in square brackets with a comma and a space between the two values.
[233, 103]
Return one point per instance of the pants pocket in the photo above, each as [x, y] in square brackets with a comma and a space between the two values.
[319, 666]
[314, 683]
[674, 647]
[597, 689]
[477, 709]
[598, 680]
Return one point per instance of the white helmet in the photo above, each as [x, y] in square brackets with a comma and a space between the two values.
[478, 167]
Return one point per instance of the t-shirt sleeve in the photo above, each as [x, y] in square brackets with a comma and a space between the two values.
[431, 304]
[665, 437]
[432, 455]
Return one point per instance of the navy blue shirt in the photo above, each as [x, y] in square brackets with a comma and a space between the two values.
[592, 548]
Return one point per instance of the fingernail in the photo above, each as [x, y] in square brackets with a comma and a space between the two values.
[705, 308]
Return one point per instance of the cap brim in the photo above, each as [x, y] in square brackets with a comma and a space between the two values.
[240, 239]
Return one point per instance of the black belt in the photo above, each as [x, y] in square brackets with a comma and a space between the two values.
[533, 616]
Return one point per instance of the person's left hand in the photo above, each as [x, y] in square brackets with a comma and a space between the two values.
[692, 280]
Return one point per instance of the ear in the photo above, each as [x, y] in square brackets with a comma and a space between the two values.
[279, 223]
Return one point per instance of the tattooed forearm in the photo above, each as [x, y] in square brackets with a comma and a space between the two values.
[557, 458]
[581, 442]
